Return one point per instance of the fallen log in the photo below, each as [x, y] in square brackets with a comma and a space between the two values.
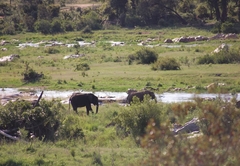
[9, 136]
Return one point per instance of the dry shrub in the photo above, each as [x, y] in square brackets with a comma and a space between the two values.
[218, 145]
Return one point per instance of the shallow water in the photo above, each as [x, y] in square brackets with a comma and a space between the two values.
[166, 97]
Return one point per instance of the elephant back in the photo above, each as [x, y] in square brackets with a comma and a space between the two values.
[74, 95]
[140, 95]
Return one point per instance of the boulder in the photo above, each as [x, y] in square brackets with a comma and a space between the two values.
[189, 127]
[222, 47]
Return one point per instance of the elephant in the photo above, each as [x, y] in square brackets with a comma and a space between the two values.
[238, 104]
[140, 95]
[83, 99]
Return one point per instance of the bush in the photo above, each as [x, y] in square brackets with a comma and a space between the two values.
[228, 27]
[68, 26]
[201, 11]
[206, 59]
[223, 57]
[132, 20]
[42, 121]
[92, 20]
[9, 30]
[134, 119]
[43, 26]
[80, 25]
[216, 28]
[30, 75]
[51, 50]
[146, 56]
[221, 137]
[71, 128]
[83, 67]
[166, 64]
[57, 26]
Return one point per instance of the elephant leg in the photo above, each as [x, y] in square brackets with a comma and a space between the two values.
[89, 108]
[76, 110]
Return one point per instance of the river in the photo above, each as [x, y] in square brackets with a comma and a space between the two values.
[7, 94]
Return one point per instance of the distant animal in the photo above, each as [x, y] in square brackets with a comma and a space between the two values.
[83, 100]
[131, 90]
[238, 104]
[140, 95]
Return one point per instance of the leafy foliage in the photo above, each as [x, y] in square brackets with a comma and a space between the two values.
[43, 26]
[228, 27]
[42, 121]
[166, 64]
[134, 119]
[145, 56]
[71, 128]
[30, 75]
[222, 57]
[220, 139]
[82, 67]
[57, 26]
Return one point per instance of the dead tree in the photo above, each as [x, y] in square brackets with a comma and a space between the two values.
[36, 102]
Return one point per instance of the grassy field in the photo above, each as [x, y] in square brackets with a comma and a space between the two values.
[109, 66]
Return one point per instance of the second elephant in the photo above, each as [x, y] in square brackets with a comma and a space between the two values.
[140, 95]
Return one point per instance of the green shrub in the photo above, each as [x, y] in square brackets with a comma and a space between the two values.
[216, 28]
[132, 20]
[42, 121]
[71, 128]
[51, 50]
[12, 162]
[134, 118]
[201, 11]
[223, 57]
[9, 30]
[166, 64]
[43, 26]
[57, 26]
[69, 26]
[80, 25]
[206, 59]
[146, 56]
[228, 27]
[30, 75]
[82, 67]
[92, 20]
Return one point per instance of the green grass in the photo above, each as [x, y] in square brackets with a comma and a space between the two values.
[100, 145]
[104, 73]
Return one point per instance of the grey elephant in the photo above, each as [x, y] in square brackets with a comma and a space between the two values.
[82, 100]
[140, 95]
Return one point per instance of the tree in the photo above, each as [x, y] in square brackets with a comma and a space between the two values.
[220, 7]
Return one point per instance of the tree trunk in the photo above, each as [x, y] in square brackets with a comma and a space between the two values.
[224, 4]
[217, 10]
[238, 11]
